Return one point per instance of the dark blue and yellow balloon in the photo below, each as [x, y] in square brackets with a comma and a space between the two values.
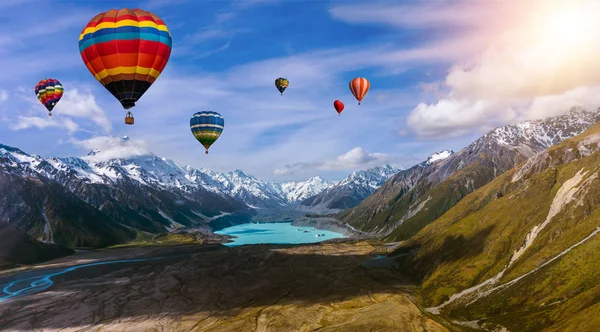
[207, 126]
[281, 84]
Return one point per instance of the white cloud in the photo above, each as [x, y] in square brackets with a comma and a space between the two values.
[109, 147]
[3, 95]
[25, 122]
[354, 159]
[536, 67]
[430, 14]
[82, 105]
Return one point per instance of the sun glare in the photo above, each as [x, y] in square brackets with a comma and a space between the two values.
[568, 27]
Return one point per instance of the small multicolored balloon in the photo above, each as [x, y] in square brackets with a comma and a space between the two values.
[49, 91]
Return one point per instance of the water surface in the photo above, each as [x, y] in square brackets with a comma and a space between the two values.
[276, 233]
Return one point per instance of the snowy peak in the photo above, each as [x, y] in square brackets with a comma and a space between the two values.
[120, 160]
[545, 132]
[352, 190]
[372, 177]
[298, 191]
[438, 156]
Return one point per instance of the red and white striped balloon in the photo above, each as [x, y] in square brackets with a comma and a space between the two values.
[359, 87]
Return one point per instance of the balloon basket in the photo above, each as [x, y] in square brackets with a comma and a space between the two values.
[129, 119]
[49, 114]
[206, 152]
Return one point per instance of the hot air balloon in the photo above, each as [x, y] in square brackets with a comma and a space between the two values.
[49, 91]
[126, 50]
[339, 106]
[359, 87]
[281, 84]
[207, 126]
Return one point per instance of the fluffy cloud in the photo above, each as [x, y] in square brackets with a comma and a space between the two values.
[83, 105]
[353, 159]
[538, 67]
[109, 147]
[71, 113]
[25, 122]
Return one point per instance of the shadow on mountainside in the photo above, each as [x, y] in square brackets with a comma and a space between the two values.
[452, 249]
[219, 282]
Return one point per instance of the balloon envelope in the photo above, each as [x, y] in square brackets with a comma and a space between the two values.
[359, 87]
[49, 91]
[207, 126]
[125, 50]
[339, 106]
[281, 84]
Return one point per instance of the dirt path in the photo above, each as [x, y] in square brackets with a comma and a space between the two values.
[320, 287]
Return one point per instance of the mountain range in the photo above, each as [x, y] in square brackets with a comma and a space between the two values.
[98, 200]
[521, 252]
[415, 197]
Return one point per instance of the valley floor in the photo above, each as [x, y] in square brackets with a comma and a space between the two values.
[322, 287]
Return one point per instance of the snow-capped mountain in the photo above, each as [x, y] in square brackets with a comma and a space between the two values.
[438, 156]
[352, 190]
[546, 132]
[148, 169]
[414, 197]
[117, 197]
[90, 202]
[299, 191]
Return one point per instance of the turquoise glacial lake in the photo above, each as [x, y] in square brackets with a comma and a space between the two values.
[276, 233]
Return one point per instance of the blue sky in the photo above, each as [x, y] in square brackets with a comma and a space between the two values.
[442, 73]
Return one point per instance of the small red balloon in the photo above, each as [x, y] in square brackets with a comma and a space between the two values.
[339, 106]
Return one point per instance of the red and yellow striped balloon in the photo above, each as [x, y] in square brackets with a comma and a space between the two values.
[126, 50]
[359, 87]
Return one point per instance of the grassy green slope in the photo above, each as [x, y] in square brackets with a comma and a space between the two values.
[475, 240]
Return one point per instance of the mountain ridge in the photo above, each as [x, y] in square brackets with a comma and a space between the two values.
[520, 252]
[415, 197]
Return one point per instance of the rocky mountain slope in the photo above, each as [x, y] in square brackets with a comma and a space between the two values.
[521, 252]
[417, 196]
[16, 247]
[258, 193]
[352, 190]
[99, 200]
[79, 202]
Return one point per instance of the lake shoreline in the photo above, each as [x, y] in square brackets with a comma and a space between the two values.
[276, 233]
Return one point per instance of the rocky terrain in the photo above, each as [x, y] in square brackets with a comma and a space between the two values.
[350, 191]
[16, 247]
[415, 197]
[521, 252]
[321, 287]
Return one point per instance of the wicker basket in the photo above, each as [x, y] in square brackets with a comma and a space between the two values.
[129, 118]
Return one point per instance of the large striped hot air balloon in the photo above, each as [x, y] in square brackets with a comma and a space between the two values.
[359, 87]
[126, 50]
[281, 84]
[207, 126]
[49, 91]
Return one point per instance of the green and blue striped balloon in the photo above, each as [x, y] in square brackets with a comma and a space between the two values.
[207, 126]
